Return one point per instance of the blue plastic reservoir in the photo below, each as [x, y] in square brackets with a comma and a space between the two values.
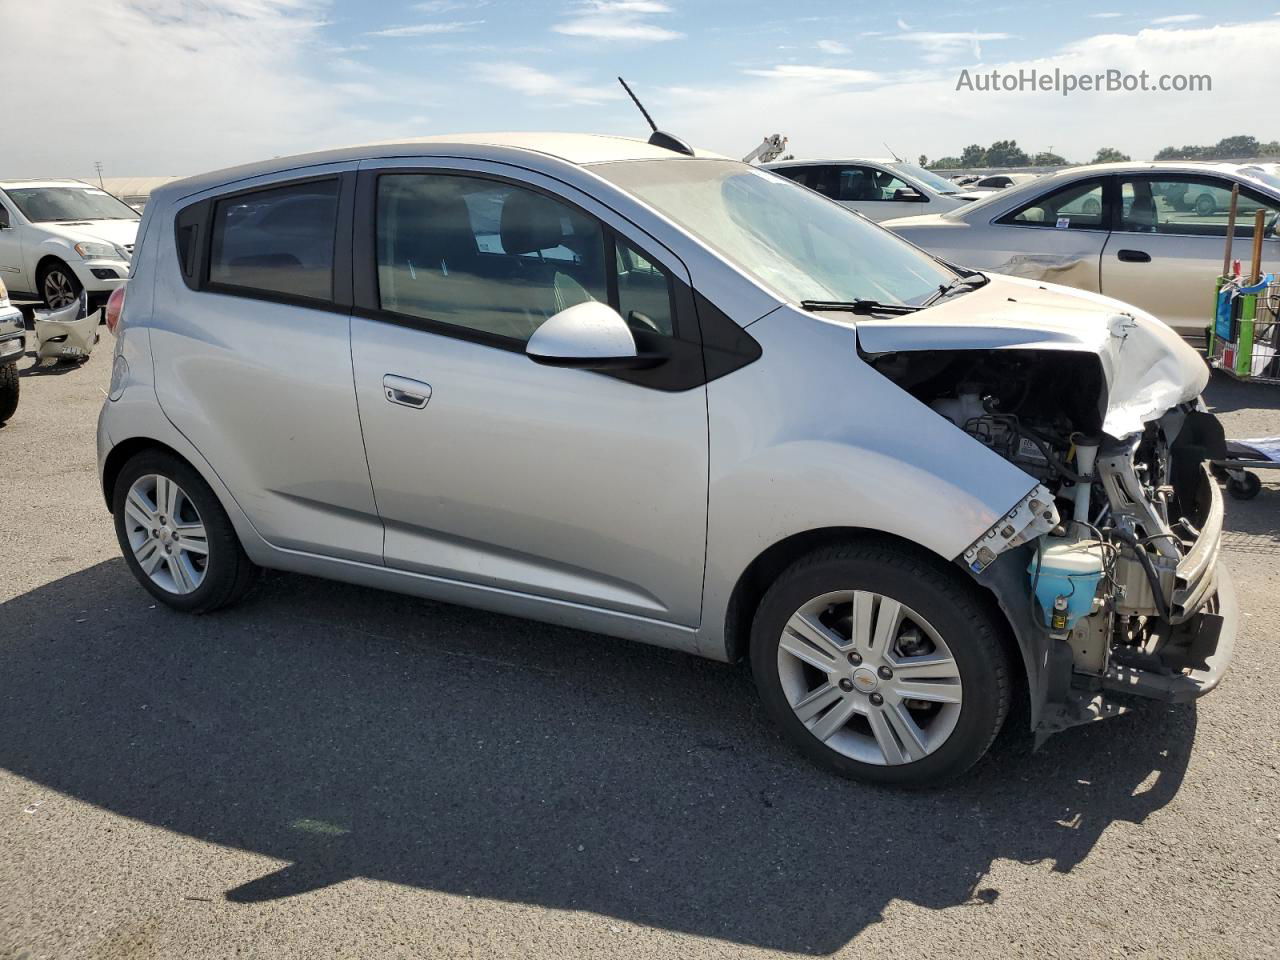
[1070, 569]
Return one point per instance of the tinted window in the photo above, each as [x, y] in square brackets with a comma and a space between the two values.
[1188, 206]
[277, 241]
[644, 291]
[1078, 206]
[868, 184]
[484, 255]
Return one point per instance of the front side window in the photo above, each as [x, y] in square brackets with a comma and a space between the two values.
[483, 255]
[791, 240]
[66, 204]
[869, 184]
[1188, 206]
[1077, 206]
[277, 241]
[644, 291]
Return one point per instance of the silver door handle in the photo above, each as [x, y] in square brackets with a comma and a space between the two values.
[406, 392]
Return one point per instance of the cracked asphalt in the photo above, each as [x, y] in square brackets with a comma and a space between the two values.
[330, 771]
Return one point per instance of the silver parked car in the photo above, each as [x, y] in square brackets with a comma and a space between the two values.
[1150, 234]
[673, 398]
[877, 189]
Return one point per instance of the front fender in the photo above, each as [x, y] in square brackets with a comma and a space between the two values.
[811, 437]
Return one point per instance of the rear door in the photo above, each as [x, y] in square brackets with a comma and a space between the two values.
[1169, 242]
[252, 355]
[570, 486]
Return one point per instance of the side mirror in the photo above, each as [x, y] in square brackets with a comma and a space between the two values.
[909, 194]
[589, 336]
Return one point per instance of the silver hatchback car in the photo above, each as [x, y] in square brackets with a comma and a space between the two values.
[661, 395]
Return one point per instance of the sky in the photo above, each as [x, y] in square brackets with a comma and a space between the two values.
[175, 87]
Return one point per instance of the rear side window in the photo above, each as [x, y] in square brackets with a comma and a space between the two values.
[1077, 206]
[277, 241]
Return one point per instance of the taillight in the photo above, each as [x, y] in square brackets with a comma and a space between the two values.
[115, 308]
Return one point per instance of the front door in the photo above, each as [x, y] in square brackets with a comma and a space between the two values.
[490, 469]
[1168, 247]
[12, 272]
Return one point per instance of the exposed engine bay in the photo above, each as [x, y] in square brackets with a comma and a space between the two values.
[1116, 546]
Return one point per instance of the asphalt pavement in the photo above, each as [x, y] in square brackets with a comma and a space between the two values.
[330, 771]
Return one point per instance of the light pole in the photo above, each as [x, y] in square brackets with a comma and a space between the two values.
[97, 165]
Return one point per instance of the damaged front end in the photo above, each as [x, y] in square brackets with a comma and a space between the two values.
[1108, 569]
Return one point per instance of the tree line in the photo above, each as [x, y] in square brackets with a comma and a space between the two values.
[1007, 153]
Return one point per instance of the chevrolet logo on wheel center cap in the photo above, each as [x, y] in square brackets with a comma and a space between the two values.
[865, 679]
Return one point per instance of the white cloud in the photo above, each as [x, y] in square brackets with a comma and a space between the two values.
[1180, 18]
[903, 25]
[617, 20]
[426, 29]
[546, 89]
[833, 47]
[938, 47]
[446, 6]
[727, 117]
[803, 73]
[1105, 16]
[208, 83]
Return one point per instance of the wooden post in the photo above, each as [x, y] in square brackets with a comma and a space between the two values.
[1231, 229]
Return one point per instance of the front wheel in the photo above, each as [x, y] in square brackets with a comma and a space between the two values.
[9, 384]
[879, 665]
[59, 286]
[175, 536]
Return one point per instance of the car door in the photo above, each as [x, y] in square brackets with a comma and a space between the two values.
[567, 485]
[1168, 245]
[11, 259]
[1057, 236]
[251, 342]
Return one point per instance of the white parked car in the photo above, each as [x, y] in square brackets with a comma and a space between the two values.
[13, 346]
[61, 237]
[1149, 234]
[877, 189]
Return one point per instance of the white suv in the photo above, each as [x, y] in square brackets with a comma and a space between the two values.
[58, 237]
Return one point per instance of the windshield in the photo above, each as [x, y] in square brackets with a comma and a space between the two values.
[48, 204]
[928, 178]
[1262, 176]
[791, 239]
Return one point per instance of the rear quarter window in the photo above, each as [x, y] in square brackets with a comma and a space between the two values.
[278, 241]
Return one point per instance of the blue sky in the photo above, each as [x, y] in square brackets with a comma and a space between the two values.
[202, 83]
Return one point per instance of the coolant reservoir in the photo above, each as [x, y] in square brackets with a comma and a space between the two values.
[1066, 570]
[963, 408]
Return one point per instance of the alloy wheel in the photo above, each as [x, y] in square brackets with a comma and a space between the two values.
[59, 291]
[869, 677]
[166, 534]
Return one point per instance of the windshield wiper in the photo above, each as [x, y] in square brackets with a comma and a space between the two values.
[858, 306]
[966, 282]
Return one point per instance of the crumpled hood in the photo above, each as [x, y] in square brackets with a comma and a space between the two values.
[121, 232]
[1148, 368]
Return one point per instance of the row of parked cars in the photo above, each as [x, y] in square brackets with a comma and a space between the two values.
[1150, 234]
[657, 394]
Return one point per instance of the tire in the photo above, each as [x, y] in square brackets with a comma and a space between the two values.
[1205, 205]
[183, 576]
[1092, 207]
[872, 743]
[9, 384]
[1244, 485]
[59, 286]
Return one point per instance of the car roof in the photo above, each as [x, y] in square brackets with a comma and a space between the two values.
[578, 149]
[11, 184]
[812, 160]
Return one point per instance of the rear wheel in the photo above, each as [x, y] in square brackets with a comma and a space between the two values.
[175, 536]
[1205, 205]
[59, 286]
[9, 384]
[880, 666]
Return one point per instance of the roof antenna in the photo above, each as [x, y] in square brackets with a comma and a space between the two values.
[891, 153]
[666, 141]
